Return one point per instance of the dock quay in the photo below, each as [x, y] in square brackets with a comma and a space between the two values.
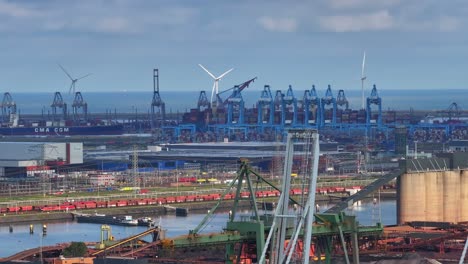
[179, 211]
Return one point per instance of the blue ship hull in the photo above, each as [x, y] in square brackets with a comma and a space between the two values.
[62, 131]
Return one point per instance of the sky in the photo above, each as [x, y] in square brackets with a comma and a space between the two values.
[409, 44]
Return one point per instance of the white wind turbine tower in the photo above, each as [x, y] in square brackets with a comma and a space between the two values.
[363, 107]
[214, 91]
[363, 78]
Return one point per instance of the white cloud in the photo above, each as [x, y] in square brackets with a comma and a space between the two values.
[176, 18]
[278, 24]
[448, 24]
[118, 16]
[348, 4]
[114, 25]
[15, 10]
[380, 20]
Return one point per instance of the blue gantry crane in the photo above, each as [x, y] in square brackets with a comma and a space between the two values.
[328, 99]
[290, 108]
[203, 102]
[342, 108]
[306, 107]
[265, 108]
[235, 106]
[311, 107]
[318, 105]
[79, 104]
[279, 108]
[341, 100]
[58, 103]
[374, 99]
[8, 107]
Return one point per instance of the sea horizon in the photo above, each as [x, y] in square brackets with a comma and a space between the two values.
[182, 101]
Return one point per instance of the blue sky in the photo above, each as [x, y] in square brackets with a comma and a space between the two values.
[410, 44]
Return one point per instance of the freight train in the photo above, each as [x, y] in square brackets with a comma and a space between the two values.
[80, 205]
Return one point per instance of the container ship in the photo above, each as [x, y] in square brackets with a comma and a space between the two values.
[86, 130]
[17, 127]
[59, 123]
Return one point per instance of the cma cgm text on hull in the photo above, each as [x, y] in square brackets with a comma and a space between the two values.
[62, 130]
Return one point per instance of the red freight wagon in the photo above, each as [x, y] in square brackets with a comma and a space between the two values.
[65, 207]
[112, 203]
[295, 192]
[48, 208]
[161, 200]
[132, 203]
[142, 202]
[90, 205]
[13, 209]
[216, 196]
[152, 201]
[269, 193]
[170, 199]
[80, 205]
[245, 194]
[101, 204]
[340, 189]
[190, 198]
[26, 208]
[121, 203]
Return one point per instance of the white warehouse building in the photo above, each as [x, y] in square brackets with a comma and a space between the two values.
[17, 158]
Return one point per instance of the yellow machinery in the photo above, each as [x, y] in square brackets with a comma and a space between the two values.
[106, 237]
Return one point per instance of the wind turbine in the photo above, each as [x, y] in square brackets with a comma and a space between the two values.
[74, 81]
[363, 107]
[363, 78]
[214, 91]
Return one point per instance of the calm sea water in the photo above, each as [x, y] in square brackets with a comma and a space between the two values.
[57, 232]
[129, 102]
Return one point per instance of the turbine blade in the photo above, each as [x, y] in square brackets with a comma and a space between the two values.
[222, 75]
[207, 71]
[63, 69]
[363, 65]
[84, 76]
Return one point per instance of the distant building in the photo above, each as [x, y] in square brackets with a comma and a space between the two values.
[457, 145]
[401, 140]
[28, 159]
[101, 179]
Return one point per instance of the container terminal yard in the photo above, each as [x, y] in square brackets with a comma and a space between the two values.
[227, 116]
[270, 151]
